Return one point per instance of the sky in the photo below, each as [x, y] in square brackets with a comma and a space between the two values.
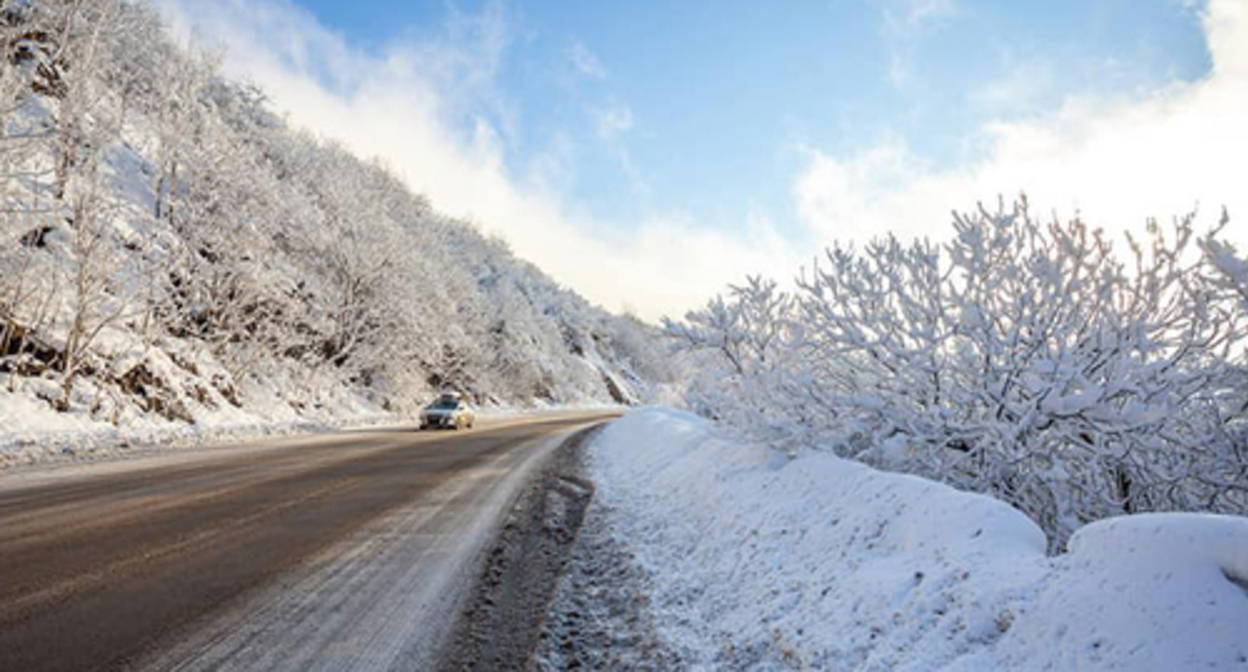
[649, 154]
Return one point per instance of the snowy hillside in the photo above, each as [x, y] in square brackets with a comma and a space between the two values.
[757, 560]
[172, 254]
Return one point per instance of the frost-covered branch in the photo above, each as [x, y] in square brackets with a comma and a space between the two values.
[1023, 358]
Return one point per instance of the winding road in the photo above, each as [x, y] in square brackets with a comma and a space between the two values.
[346, 551]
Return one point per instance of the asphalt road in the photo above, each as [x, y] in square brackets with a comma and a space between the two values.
[351, 551]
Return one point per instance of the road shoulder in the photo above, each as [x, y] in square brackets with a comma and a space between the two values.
[558, 591]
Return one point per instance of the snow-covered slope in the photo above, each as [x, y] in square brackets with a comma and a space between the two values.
[759, 560]
[173, 255]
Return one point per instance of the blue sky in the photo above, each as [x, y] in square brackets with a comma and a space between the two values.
[721, 97]
[707, 140]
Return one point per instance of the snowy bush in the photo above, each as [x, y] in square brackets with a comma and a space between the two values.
[1024, 359]
[745, 368]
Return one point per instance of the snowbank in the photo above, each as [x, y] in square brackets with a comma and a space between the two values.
[761, 561]
[31, 432]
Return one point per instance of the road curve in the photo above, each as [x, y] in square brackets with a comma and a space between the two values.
[342, 552]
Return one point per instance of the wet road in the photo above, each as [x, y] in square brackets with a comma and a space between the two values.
[342, 551]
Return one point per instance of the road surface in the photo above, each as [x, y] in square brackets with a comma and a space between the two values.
[349, 551]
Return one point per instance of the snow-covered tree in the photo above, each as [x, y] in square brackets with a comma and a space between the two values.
[1022, 358]
[171, 243]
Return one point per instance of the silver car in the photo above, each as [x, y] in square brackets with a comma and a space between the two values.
[449, 411]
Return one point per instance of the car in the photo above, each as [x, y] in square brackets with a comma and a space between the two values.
[448, 411]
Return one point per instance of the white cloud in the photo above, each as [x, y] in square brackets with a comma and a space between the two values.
[910, 17]
[904, 22]
[400, 106]
[1025, 87]
[1118, 162]
[916, 13]
[585, 61]
[613, 122]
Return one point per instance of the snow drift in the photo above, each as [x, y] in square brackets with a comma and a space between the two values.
[764, 561]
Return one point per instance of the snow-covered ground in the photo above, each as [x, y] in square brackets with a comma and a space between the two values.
[33, 433]
[761, 561]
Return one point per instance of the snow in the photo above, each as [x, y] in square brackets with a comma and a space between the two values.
[33, 433]
[177, 264]
[1028, 359]
[761, 560]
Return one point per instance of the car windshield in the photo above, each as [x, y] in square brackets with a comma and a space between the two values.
[445, 404]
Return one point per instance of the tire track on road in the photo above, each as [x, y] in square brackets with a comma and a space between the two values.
[95, 587]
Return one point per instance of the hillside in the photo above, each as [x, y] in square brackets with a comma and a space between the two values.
[173, 254]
